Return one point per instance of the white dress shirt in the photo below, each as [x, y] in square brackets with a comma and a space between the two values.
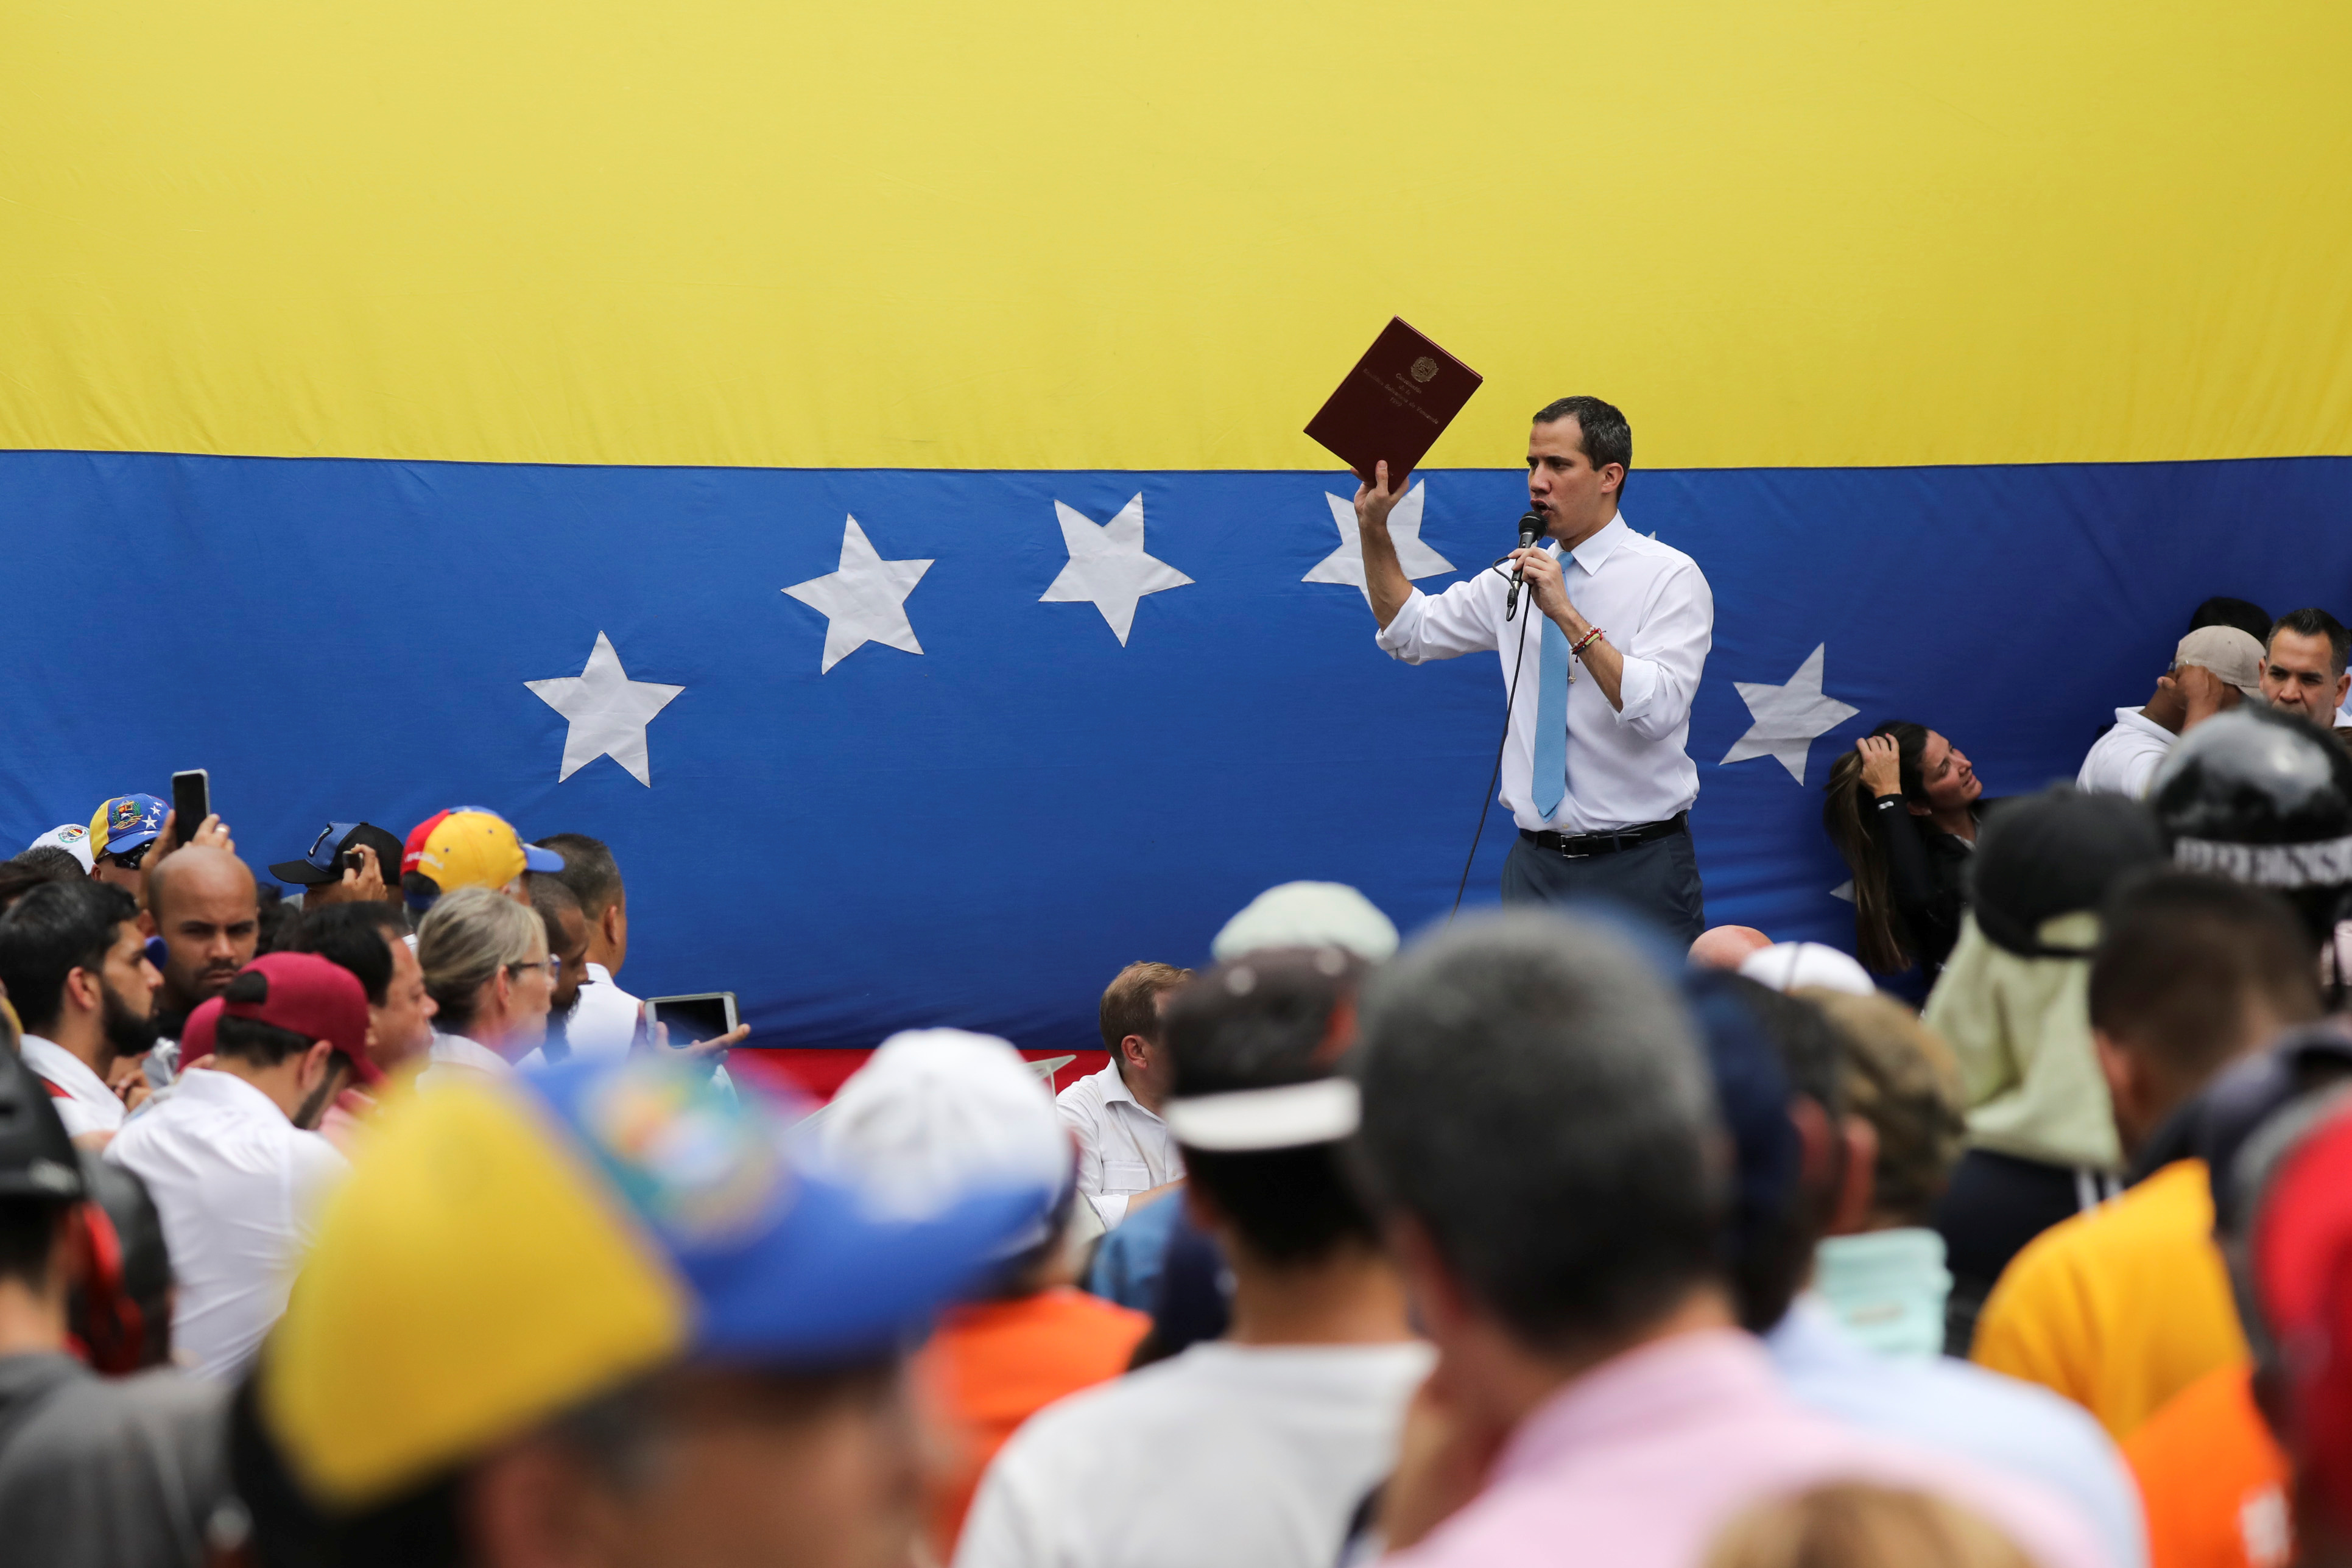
[1123, 1149]
[87, 1105]
[2123, 761]
[603, 1024]
[237, 1187]
[1626, 766]
[1226, 1453]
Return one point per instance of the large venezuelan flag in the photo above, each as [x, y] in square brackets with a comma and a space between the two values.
[358, 367]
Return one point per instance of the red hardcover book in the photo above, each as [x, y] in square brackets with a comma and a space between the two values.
[1394, 404]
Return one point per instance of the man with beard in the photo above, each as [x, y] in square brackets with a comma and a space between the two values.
[203, 903]
[75, 966]
[567, 942]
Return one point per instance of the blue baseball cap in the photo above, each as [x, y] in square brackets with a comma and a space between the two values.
[506, 1247]
[124, 822]
[322, 862]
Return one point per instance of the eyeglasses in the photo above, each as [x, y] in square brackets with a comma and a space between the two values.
[551, 967]
[130, 859]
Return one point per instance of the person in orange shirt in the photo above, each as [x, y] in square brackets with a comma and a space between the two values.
[2122, 1307]
[935, 1115]
[2212, 1479]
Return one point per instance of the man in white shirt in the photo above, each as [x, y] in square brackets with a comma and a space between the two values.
[1600, 651]
[230, 1159]
[75, 965]
[1256, 1448]
[603, 1023]
[1125, 1151]
[2212, 668]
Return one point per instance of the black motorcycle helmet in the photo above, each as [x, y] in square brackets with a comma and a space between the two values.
[2262, 796]
[37, 1160]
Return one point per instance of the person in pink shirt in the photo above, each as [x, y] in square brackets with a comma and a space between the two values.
[1540, 1126]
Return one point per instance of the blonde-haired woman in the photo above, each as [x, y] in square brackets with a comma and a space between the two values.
[487, 966]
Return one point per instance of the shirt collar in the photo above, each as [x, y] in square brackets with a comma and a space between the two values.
[209, 1087]
[61, 1067]
[1595, 552]
[1684, 1380]
[2136, 718]
[598, 976]
[1115, 1089]
[459, 1051]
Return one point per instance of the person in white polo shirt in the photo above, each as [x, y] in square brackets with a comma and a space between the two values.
[232, 1158]
[75, 967]
[2213, 669]
[1125, 1151]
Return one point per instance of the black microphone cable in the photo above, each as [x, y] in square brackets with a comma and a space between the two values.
[1510, 702]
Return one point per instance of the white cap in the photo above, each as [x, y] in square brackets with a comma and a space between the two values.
[71, 837]
[1787, 965]
[938, 1114]
[1321, 1111]
[1308, 915]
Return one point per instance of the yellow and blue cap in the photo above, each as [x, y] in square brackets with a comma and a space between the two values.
[505, 1249]
[123, 823]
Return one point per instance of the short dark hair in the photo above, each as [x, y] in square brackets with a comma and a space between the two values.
[354, 936]
[28, 1230]
[1259, 1022]
[2316, 623]
[2243, 613]
[53, 930]
[552, 897]
[2182, 957]
[52, 863]
[1130, 1003]
[1602, 432]
[1535, 1097]
[250, 1040]
[588, 871]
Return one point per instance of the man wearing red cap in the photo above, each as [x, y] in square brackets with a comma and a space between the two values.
[231, 1157]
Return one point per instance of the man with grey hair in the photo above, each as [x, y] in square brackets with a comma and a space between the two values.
[1539, 1123]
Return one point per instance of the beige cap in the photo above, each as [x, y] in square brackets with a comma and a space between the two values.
[2228, 653]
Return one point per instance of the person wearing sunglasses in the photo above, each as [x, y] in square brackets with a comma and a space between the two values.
[122, 831]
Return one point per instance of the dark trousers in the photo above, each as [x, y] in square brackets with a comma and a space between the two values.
[1658, 881]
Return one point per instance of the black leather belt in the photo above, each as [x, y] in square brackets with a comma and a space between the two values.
[1578, 846]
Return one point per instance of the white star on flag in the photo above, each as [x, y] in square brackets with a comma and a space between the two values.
[607, 713]
[1108, 566]
[864, 602]
[1789, 718]
[1346, 564]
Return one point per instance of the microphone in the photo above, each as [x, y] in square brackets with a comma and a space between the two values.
[1530, 530]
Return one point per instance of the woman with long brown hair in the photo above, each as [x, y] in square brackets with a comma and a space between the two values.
[1902, 808]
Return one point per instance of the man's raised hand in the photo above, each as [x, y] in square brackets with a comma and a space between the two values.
[1375, 501]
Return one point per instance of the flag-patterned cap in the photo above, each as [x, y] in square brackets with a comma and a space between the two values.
[126, 821]
[504, 1249]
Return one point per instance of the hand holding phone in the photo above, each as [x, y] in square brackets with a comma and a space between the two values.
[192, 803]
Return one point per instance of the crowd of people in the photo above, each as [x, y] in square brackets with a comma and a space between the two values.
[357, 1216]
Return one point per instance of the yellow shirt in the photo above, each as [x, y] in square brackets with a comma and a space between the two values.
[2121, 1307]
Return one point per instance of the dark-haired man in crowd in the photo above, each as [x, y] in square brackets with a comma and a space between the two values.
[2243, 613]
[2122, 1307]
[369, 938]
[1541, 1123]
[567, 943]
[94, 1473]
[232, 1158]
[1125, 1152]
[347, 862]
[603, 1018]
[75, 965]
[1595, 770]
[1255, 1447]
[2303, 670]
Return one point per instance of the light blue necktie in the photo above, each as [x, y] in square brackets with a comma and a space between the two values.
[1550, 780]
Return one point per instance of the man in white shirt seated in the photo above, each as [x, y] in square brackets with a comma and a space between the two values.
[1257, 1448]
[75, 965]
[1125, 1152]
[231, 1159]
[2213, 669]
